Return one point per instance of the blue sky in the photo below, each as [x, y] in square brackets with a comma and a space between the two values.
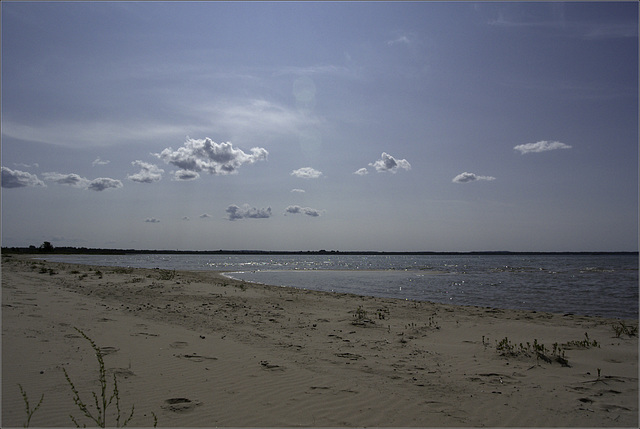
[443, 126]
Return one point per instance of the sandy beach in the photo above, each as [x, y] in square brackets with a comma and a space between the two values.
[199, 349]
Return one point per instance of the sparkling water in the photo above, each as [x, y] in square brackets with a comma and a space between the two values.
[595, 285]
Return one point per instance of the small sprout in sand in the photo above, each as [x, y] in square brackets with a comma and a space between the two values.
[539, 350]
[50, 271]
[383, 313]
[584, 344]
[432, 322]
[28, 409]
[622, 328]
[360, 317]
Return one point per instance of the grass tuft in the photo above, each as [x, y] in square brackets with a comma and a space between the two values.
[166, 274]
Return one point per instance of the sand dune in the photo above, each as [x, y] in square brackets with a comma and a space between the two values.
[198, 349]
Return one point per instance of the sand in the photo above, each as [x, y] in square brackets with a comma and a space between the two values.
[199, 349]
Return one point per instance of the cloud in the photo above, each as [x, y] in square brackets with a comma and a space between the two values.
[214, 158]
[151, 220]
[204, 216]
[609, 31]
[541, 146]
[98, 161]
[19, 179]
[19, 164]
[252, 118]
[552, 18]
[401, 39]
[185, 175]
[247, 212]
[103, 183]
[305, 210]
[306, 173]
[301, 191]
[361, 172]
[149, 173]
[470, 177]
[185, 218]
[387, 163]
[70, 179]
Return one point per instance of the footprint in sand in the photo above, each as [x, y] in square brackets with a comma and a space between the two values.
[270, 366]
[108, 350]
[144, 334]
[180, 405]
[196, 358]
[122, 372]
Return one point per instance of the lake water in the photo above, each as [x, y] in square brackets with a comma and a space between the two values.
[594, 285]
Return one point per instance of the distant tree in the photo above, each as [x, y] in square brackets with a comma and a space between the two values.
[46, 247]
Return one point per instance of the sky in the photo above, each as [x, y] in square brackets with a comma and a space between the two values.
[383, 126]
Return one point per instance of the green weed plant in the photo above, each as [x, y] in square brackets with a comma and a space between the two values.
[103, 399]
[27, 407]
[539, 350]
[621, 328]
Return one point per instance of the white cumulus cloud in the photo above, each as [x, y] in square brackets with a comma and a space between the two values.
[19, 179]
[185, 175]
[302, 210]
[148, 172]
[70, 179]
[98, 161]
[73, 179]
[247, 212]
[306, 173]
[214, 158]
[470, 177]
[541, 146]
[301, 191]
[361, 172]
[387, 163]
[103, 183]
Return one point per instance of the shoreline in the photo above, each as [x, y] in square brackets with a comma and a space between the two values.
[246, 354]
[589, 303]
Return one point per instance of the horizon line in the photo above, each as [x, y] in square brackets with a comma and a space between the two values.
[85, 250]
